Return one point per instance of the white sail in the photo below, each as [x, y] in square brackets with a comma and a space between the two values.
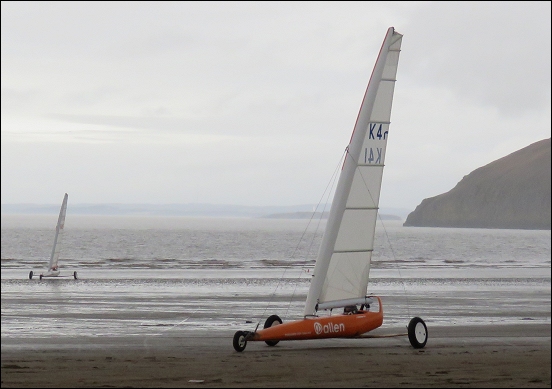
[343, 264]
[53, 265]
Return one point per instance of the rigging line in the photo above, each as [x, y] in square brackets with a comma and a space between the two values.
[171, 327]
[326, 192]
[177, 324]
[387, 236]
[396, 265]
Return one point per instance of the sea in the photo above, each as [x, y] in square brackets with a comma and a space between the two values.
[147, 275]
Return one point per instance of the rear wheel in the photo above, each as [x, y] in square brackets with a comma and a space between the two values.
[31, 275]
[417, 332]
[40, 276]
[239, 341]
[273, 320]
[75, 275]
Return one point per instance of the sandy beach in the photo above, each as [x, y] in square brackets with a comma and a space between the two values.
[469, 356]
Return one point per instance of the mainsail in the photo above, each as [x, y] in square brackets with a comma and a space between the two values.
[59, 234]
[343, 264]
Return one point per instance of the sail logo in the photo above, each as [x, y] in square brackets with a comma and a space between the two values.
[328, 328]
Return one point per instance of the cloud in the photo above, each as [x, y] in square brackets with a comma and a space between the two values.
[254, 103]
[488, 53]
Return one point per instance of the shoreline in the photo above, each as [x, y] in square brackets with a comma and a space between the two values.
[466, 356]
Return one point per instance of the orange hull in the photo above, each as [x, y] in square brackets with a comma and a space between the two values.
[338, 326]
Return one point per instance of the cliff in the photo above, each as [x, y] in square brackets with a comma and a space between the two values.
[512, 192]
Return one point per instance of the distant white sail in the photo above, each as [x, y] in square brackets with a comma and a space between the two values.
[53, 265]
[343, 264]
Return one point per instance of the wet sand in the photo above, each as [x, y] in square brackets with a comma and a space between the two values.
[516, 356]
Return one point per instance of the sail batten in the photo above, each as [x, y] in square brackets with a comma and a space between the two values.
[353, 251]
[343, 263]
[361, 208]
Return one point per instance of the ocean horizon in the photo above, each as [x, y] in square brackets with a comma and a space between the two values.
[143, 275]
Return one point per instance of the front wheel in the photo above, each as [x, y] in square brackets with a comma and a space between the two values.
[40, 276]
[31, 275]
[273, 320]
[75, 275]
[417, 332]
[239, 341]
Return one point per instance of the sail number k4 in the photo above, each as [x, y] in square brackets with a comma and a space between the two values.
[376, 131]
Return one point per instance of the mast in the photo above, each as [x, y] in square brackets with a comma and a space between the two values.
[59, 233]
[358, 211]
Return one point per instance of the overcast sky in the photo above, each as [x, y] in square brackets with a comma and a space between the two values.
[253, 103]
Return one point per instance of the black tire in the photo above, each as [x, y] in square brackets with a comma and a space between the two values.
[239, 341]
[75, 275]
[417, 332]
[273, 320]
[40, 276]
[31, 275]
